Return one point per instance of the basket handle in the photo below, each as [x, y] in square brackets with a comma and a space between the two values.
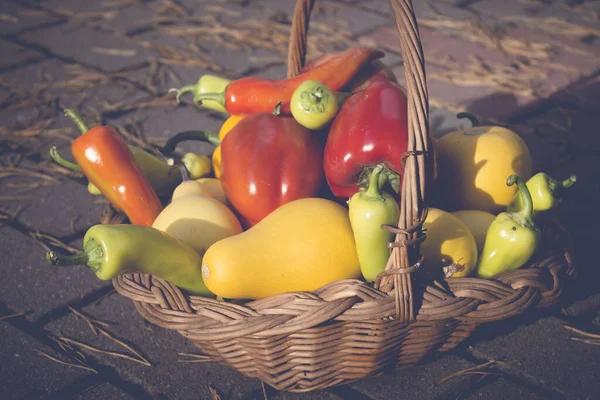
[298, 38]
[405, 251]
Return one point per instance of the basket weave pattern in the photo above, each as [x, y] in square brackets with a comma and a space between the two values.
[350, 330]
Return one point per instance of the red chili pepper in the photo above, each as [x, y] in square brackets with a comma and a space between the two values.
[256, 95]
[268, 161]
[369, 73]
[107, 162]
[371, 128]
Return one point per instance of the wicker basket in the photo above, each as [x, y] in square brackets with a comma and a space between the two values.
[350, 330]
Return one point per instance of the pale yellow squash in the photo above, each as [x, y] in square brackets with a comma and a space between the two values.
[478, 223]
[449, 248]
[215, 188]
[300, 246]
[197, 219]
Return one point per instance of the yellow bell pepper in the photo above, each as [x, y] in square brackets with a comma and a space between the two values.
[225, 128]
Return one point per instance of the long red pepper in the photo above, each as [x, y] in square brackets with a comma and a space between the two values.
[253, 95]
[105, 159]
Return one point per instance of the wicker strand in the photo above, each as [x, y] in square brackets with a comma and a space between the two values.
[413, 192]
[298, 39]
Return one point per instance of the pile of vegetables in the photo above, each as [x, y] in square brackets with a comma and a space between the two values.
[305, 174]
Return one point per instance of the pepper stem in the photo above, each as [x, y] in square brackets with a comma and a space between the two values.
[526, 211]
[375, 182]
[210, 137]
[76, 118]
[470, 117]
[314, 100]
[91, 257]
[567, 183]
[63, 162]
[183, 90]
[277, 109]
[67, 261]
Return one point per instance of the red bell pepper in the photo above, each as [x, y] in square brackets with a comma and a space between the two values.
[256, 95]
[268, 161]
[370, 129]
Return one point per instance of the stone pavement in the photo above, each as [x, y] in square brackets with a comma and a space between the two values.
[530, 64]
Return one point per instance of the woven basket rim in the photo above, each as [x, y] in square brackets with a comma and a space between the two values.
[170, 304]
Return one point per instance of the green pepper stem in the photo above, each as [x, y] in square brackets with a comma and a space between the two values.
[199, 97]
[567, 183]
[277, 109]
[315, 99]
[76, 118]
[91, 257]
[203, 136]
[470, 117]
[63, 162]
[375, 183]
[185, 89]
[526, 211]
[67, 261]
[218, 98]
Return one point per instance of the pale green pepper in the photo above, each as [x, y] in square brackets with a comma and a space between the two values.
[544, 191]
[369, 209]
[511, 239]
[206, 84]
[109, 250]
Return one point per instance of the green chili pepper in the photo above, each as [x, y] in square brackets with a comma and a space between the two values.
[109, 250]
[512, 238]
[163, 177]
[545, 193]
[369, 209]
[206, 84]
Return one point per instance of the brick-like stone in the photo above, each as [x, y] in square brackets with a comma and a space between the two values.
[419, 381]
[167, 377]
[504, 387]
[104, 391]
[542, 352]
[570, 59]
[32, 286]
[28, 75]
[26, 374]
[15, 56]
[19, 18]
[85, 45]
[62, 209]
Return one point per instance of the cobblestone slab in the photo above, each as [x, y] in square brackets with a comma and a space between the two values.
[458, 66]
[19, 17]
[103, 391]
[68, 202]
[419, 382]
[167, 377]
[25, 373]
[15, 56]
[88, 46]
[542, 352]
[31, 285]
